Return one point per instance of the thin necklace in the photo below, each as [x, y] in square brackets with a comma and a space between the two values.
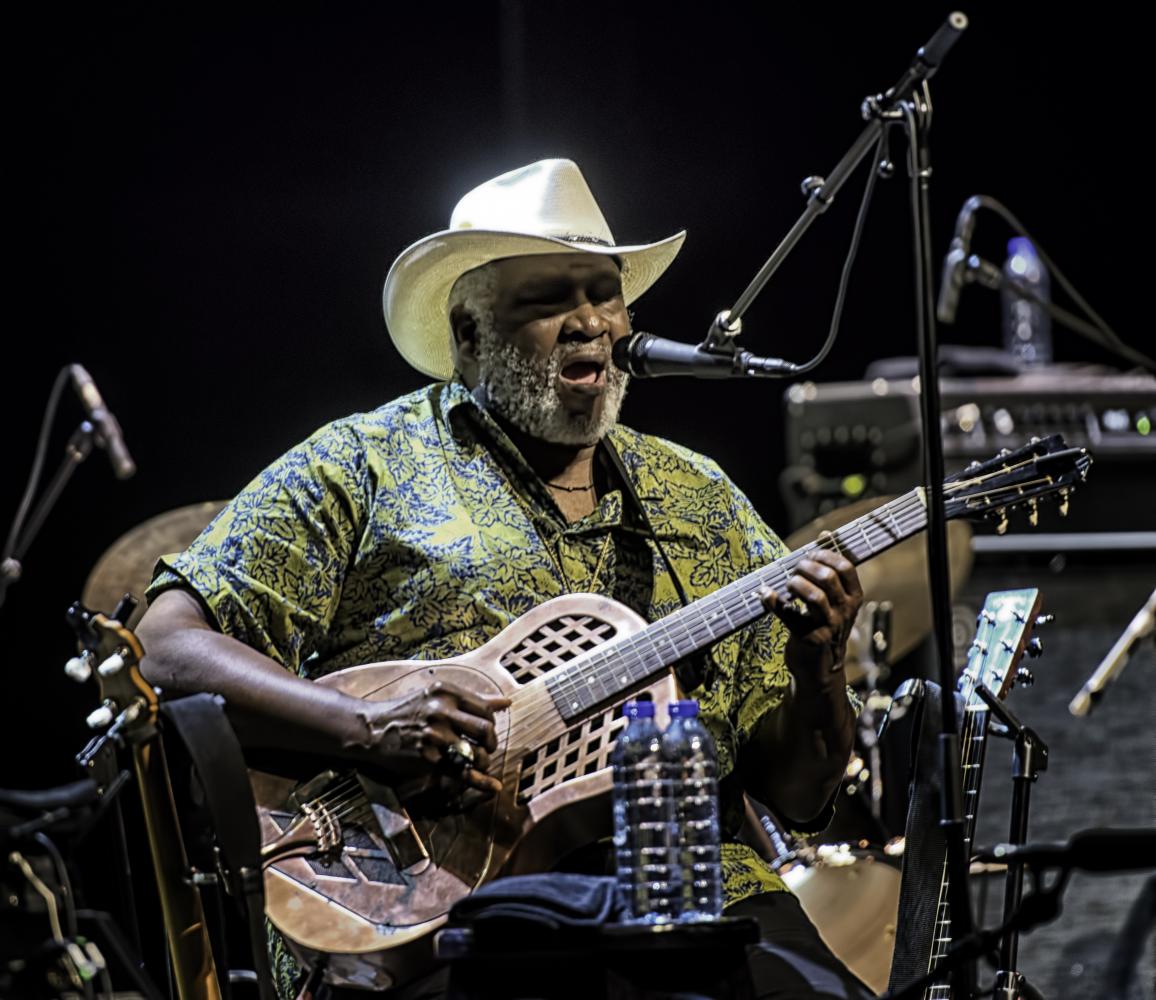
[556, 559]
[570, 489]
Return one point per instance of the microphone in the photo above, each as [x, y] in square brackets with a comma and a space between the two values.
[108, 430]
[647, 356]
[955, 273]
[1113, 663]
[1103, 850]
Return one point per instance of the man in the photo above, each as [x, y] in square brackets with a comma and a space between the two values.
[422, 529]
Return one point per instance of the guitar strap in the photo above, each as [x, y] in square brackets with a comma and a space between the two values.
[632, 493]
[199, 720]
[690, 671]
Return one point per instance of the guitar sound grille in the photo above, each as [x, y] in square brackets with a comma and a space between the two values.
[584, 749]
[555, 643]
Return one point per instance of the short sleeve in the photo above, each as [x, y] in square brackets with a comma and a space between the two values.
[269, 569]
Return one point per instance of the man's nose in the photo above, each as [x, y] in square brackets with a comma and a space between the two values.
[585, 321]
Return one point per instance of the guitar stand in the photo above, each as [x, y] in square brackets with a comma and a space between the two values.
[1029, 759]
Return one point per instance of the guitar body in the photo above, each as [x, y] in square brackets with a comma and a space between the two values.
[372, 903]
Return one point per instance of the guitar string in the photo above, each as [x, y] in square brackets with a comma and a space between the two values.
[734, 597]
[737, 597]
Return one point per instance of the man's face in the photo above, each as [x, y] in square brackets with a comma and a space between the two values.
[545, 362]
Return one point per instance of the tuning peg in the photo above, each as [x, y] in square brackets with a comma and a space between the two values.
[1033, 512]
[79, 668]
[99, 718]
[1034, 648]
[114, 664]
[1025, 677]
[1001, 524]
[1042, 620]
[1064, 502]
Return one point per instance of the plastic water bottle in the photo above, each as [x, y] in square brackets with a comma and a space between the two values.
[689, 746]
[644, 820]
[1027, 328]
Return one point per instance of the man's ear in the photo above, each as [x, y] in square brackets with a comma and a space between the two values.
[465, 340]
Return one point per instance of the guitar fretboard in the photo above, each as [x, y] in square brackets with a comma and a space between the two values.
[973, 746]
[618, 667]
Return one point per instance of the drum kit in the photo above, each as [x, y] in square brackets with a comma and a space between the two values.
[847, 879]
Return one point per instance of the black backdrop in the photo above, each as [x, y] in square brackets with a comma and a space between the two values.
[204, 203]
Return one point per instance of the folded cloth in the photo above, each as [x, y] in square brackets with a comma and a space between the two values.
[553, 900]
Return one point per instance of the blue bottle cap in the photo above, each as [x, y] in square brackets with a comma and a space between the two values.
[683, 709]
[638, 710]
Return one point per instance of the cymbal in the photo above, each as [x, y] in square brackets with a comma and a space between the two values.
[127, 565]
[898, 575]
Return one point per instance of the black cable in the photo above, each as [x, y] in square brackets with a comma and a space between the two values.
[37, 463]
[852, 251]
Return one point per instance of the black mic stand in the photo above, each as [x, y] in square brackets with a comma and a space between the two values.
[908, 104]
[916, 114]
[79, 447]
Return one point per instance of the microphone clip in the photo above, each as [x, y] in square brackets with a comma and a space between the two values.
[720, 338]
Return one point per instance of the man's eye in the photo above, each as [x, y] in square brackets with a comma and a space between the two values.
[604, 293]
[544, 298]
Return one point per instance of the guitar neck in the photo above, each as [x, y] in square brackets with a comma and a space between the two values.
[618, 667]
[973, 746]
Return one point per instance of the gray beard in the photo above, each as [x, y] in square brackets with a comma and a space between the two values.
[523, 390]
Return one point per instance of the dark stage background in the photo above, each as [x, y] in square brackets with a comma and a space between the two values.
[204, 205]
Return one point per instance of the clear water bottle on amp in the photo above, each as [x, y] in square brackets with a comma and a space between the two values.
[645, 831]
[689, 747]
[1027, 327]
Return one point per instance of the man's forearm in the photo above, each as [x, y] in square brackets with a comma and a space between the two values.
[269, 705]
[799, 752]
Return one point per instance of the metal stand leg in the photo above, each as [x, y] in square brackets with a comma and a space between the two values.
[1029, 759]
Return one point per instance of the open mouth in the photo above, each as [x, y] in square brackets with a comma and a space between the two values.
[585, 372]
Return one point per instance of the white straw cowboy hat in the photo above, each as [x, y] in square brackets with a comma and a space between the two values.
[545, 207]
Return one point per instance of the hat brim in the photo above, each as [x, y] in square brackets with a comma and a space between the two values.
[416, 295]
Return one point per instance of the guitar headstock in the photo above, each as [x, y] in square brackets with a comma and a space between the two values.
[1002, 636]
[112, 653]
[1045, 469]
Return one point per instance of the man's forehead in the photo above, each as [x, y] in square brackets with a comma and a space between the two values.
[514, 271]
